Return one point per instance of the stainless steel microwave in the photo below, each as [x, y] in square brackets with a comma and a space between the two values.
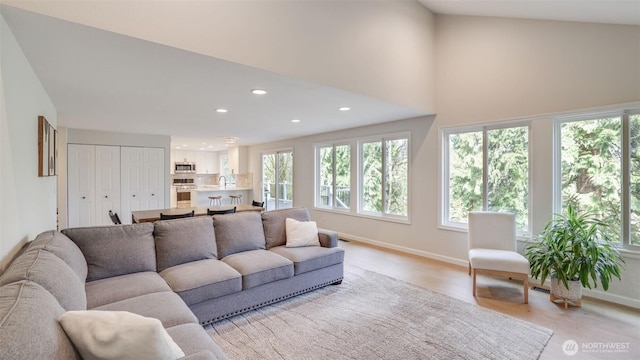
[185, 168]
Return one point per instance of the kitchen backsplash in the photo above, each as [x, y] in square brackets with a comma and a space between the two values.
[241, 180]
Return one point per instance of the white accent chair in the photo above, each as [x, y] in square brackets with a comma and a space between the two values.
[492, 248]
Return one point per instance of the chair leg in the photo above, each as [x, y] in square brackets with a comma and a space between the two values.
[526, 289]
[474, 282]
[469, 268]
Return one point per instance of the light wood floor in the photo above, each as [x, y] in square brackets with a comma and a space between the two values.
[595, 322]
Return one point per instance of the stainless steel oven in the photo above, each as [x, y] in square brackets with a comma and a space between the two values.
[183, 191]
[183, 196]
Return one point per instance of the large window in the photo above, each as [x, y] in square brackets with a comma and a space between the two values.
[382, 175]
[486, 168]
[599, 167]
[385, 177]
[277, 179]
[334, 176]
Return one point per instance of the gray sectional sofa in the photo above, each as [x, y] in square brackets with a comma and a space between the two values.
[185, 272]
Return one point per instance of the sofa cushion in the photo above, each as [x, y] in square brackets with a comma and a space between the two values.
[238, 232]
[115, 250]
[118, 335]
[274, 224]
[29, 327]
[260, 267]
[310, 258]
[61, 246]
[50, 272]
[104, 291]
[192, 339]
[202, 280]
[184, 240]
[164, 306]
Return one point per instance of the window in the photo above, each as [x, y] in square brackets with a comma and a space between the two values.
[384, 174]
[486, 168]
[599, 166]
[334, 176]
[277, 179]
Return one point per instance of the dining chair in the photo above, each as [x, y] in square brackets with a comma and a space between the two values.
[492, 248]
[257, 203]
[176, 216]
[115, 218]
[221, 212]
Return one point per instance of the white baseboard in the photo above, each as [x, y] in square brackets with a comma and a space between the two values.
[404, 249]
[600, 295]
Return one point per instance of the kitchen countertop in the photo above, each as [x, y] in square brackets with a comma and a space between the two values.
[219, 188]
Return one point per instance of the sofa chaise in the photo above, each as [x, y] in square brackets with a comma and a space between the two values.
[186, 273]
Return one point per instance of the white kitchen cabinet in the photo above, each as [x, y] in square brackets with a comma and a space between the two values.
[238, 157]
[174, 197]
[206, 162]
[93, 173]
[142, 177]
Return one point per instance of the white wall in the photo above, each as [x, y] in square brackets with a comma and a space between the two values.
[490, 70]
[27, 202]
[382, 49]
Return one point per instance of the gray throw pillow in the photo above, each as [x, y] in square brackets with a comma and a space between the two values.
[238, 232]
[274, 224]
[115, 250]
[184, 240]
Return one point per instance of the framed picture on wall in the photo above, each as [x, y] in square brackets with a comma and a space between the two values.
[47, 149]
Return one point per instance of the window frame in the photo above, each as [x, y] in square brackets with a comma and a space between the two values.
[360, 176]
[317, 201]
[484, 128]
[356, 177]
[625, 165]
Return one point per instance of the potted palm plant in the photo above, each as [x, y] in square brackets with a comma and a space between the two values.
[574, 250]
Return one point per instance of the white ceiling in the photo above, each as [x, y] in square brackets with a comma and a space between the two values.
[101, 80]
[105, 81]
[624, 12]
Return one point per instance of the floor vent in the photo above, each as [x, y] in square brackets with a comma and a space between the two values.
[341, 239]
[536, 288]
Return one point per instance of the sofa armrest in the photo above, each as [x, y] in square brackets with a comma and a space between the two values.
[328, 238]
[200, 355]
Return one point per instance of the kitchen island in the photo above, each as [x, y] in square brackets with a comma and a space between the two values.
[154, 215]
[200, 196]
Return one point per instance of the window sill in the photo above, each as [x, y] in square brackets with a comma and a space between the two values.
[348, 212]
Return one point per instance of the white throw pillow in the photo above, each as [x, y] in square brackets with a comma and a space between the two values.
[118, 335]
[301, 233]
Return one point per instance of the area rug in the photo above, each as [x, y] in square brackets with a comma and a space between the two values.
[372, 316]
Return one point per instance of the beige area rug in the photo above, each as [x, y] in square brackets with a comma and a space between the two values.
[372, 316]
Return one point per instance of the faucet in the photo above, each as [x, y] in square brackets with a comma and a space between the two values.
[225, 180]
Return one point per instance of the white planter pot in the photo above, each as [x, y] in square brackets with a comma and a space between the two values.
[559, 291]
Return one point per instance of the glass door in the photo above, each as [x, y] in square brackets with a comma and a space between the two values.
[277, 179]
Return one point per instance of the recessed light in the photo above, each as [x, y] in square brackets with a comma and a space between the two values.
[221, 110]
[344, 108]
[185, 145]
[210, 147]
[178, 147]
[295, 120]
[258, 91]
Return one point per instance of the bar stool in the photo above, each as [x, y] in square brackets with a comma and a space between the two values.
[236, 199]
[215, 200]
